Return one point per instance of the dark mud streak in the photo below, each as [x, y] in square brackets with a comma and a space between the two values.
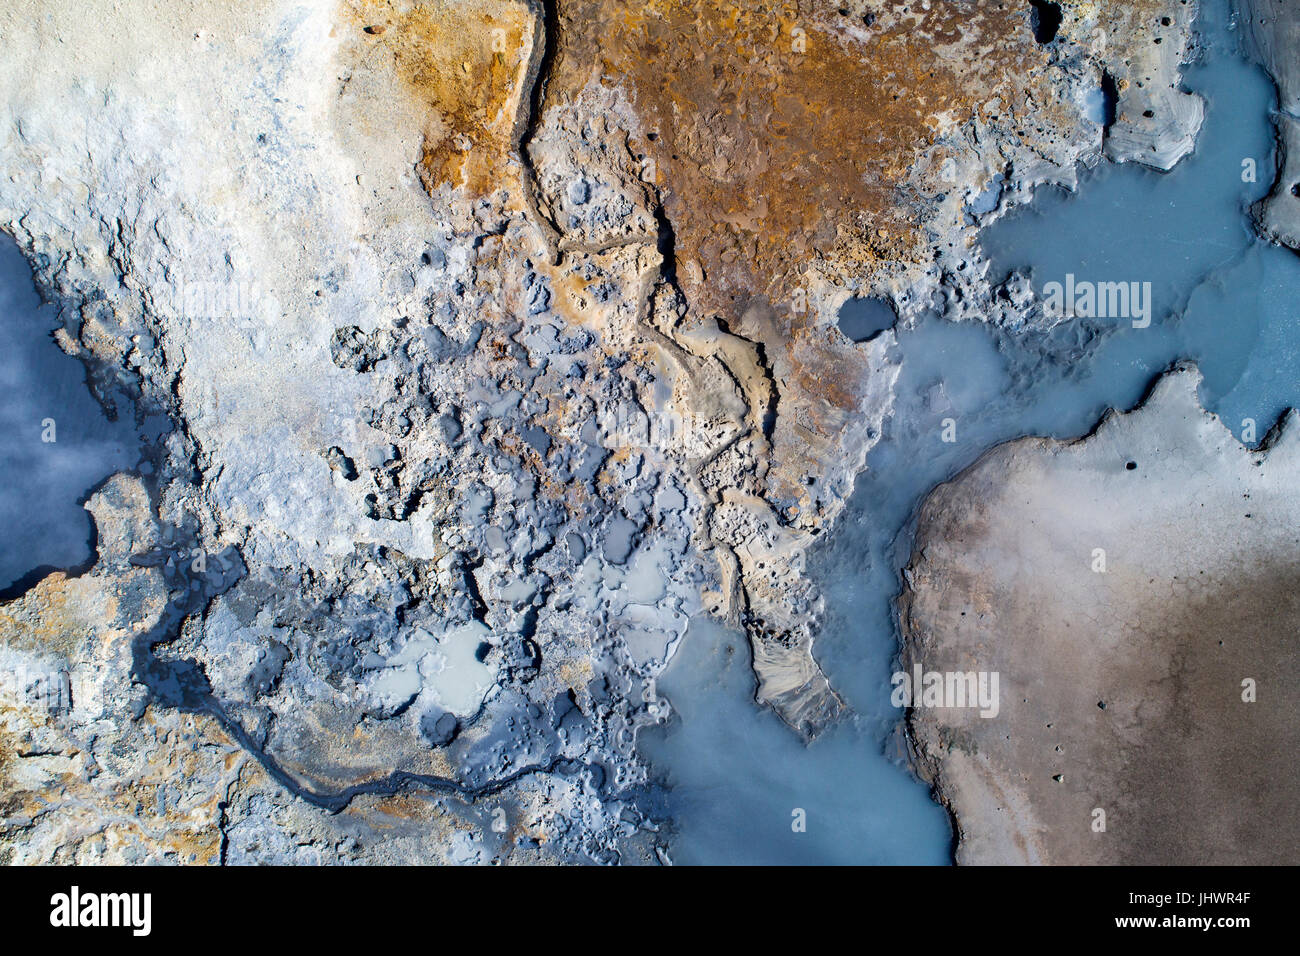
[182, 685]
[396, 782]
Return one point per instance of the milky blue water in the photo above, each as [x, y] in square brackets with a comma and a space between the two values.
[1222, 298]
[55, 442]
[863, 319]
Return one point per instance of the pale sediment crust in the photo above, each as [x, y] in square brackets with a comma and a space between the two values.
[1156, 120]
[1138, 594]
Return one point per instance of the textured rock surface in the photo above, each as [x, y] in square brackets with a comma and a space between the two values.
[1121, 688]
[1273, 34]
[1155, 121]
[499, 340]
[802, 152]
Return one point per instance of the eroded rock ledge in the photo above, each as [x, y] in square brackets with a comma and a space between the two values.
[1272, 29]
[1133, 590]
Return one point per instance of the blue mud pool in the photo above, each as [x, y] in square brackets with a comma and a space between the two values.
[56, 443]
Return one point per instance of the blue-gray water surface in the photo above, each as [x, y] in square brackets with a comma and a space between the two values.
[56, 444]
[1222, 298]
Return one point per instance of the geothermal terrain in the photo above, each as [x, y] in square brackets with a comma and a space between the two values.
[458, 360]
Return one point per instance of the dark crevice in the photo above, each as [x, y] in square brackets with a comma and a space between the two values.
[666, 243]
[1045, 19]
[769, 413]
[1109, 100]
[549, 38]
[480, 608]
[546, 42]
[223, 821]
[768, 420]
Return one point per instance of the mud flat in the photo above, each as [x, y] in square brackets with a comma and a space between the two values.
[1137, 593]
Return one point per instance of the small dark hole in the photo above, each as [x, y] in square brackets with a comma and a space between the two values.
[1045, 20]
[1295, 190]
[1148, 113]
[1131, 466]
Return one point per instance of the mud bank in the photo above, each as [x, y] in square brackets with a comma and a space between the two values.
[1135, 591]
